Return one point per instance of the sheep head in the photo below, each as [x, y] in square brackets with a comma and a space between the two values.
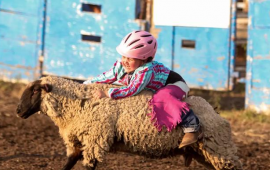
[30, 100]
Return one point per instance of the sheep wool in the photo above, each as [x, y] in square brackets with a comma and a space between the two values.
[93, 124]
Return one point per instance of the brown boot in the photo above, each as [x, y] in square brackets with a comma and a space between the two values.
[190, 138]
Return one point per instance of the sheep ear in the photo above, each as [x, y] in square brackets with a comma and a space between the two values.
[46, 87]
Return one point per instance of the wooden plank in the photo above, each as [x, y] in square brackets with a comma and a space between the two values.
[241, 28]
[243, 6]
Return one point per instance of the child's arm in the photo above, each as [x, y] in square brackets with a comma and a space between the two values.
[140, 81]
[106, 77]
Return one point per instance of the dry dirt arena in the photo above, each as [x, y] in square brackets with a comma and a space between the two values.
[34, 144]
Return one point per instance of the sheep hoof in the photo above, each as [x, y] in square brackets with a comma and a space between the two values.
[94, 166]
[188, 159]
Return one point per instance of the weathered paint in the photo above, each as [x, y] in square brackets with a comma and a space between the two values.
[20, 23]
[207, 66]
[57, 41]
[164, 38]
[65, 52]
[258, 59]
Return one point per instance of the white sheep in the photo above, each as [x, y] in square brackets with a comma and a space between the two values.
[90, 128]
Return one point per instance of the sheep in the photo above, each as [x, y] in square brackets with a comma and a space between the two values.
[90, 128]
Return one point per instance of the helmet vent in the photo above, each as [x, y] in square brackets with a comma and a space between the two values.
[133, 42]
[128, 37]
[148, 35]
[137, 31]
[155, 45]
[150, 42]
[140, 46]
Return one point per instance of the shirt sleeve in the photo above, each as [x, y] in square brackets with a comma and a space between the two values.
[106, 77]
[139, 82]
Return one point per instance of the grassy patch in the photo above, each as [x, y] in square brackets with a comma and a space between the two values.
[12, 89]
[246, 115]
[6, 86]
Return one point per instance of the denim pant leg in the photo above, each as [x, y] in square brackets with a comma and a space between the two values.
[190, 122]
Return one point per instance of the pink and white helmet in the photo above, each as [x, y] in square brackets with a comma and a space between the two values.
[138, 44]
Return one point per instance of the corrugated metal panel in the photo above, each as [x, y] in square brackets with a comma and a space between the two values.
[258, 59]
[20, 34]
[66, 54]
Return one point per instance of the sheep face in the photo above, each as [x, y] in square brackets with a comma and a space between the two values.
[30, 100]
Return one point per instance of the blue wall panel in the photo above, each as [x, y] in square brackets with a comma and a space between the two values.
[18, 27]
[164, 38]
[207, 65]
[258, 59]
[260, 13]
[27, 7]
[20, 39]
[17, 53]
[66, 54]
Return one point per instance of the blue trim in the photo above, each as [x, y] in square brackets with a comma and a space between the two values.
[173, 42]
[232, 43]
[42, 47]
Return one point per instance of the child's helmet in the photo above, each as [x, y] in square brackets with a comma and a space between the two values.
[138, 44]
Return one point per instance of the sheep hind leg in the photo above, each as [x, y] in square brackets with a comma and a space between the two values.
[94, 166]
[190, 153]
[72, 159]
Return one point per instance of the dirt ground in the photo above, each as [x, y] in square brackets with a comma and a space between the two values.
[35, 143]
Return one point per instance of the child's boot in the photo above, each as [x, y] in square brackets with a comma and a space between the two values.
[190, 138]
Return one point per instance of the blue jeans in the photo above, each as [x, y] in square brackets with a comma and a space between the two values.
[190, 122]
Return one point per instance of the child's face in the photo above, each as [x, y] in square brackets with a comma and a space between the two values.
[131, 64]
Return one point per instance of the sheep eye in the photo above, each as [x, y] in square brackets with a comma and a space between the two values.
[35, 91]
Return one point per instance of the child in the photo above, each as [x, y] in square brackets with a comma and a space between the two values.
[137, 71]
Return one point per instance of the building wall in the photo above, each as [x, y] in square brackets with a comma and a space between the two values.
[258, 59]
[20, 39]
[77, 39]
[201, 50]
[80, 43]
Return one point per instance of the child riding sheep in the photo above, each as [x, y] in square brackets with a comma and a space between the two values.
[137, 71]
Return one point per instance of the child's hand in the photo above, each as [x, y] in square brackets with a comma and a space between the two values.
[98, 94]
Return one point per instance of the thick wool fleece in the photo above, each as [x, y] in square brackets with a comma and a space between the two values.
[92, 124]
[217, 145]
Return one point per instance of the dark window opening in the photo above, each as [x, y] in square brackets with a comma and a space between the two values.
[91, 8]
[91, 38]
[140, 11]
[188, 44]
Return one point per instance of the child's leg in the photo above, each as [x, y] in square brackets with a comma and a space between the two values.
[190, 122]
[191, 127]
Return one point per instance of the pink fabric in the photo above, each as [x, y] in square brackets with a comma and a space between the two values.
[168, 107]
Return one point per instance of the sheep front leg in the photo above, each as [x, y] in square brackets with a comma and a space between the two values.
[72, 159]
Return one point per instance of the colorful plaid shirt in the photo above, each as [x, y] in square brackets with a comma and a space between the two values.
[151, 76]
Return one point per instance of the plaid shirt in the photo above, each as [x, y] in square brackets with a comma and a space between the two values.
[151, 76]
